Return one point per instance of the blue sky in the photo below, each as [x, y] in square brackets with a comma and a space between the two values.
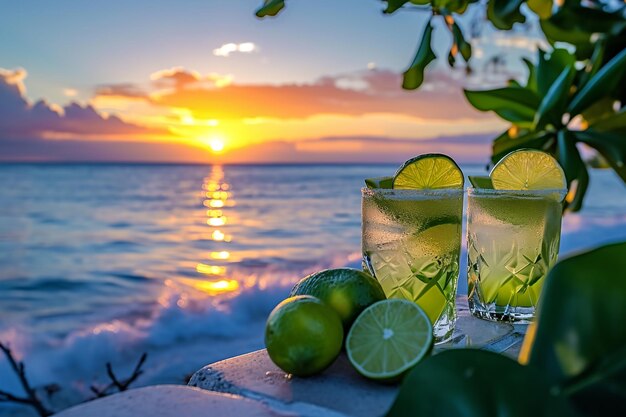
[79, 44]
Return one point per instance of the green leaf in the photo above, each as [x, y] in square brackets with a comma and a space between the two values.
[543, 8]
[550, 66]
[505, 143]
[513, 83]
[464, 47]
[379, 182]
[393, 5]
[459, 44]
[553, 103]
[511, 103]
[456, 6]
[594, 391]
[504, 13]
[270, 8]
[600, 85]
[531, 81]
[568, 155]
[451, 59]
[574, 168]
[580, 337]
[575, 25]
[479, 181]
[610, 145]
[475, 383]
[599, 110]
[612, 122]
[414, 75]
[594, 63]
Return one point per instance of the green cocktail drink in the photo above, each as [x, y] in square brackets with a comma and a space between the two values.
[411, 244]
[513, 234]
[512, 241]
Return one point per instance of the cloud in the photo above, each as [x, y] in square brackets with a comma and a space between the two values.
[229, 48]
[180, 78]
[177, 76]
[128, 90]
[70, 92]
[20, 118]
[67, 150]
[164, 82]
[15, 78]
[353, 94]
[374, 149]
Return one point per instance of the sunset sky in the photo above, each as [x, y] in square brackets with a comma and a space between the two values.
[206, 81]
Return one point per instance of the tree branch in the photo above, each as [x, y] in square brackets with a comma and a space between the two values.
[120, 385]
[31, 397]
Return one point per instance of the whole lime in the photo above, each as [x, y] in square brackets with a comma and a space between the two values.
[303, 336]
[348, 291]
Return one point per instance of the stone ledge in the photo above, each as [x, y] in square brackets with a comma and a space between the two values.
[170, 401]
[340, 390]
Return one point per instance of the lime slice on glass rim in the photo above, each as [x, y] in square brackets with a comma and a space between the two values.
[423, 172]
[528, 169]
[428, 172]
[388, 338]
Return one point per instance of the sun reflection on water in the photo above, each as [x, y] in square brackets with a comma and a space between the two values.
[219, 236]
[217, 198]
[212, 287]
[211, 269]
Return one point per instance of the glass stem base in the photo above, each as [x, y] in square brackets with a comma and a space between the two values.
[494, 312]
[444, 327]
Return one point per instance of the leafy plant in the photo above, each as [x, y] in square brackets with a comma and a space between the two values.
[569, 98]
[579, 341]
[470, 382]
[573, 360]
[544, 112]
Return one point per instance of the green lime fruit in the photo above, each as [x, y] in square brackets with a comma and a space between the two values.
[303, 336]
[347, 291]
[388, 339]
[528, 169]
[428, 172]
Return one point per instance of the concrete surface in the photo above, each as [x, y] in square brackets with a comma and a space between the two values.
[340, 390]
[170, 401]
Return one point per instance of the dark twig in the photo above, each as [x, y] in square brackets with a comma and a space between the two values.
[31, 398]
[120, 385]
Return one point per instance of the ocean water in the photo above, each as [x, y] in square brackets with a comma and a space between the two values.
[100, 263]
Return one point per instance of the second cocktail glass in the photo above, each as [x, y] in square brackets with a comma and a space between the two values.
[411, 243]
[512, 241]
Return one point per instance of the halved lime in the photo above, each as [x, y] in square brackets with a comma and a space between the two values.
[389, 338]
[528, 169]
[379, 182]
[428, 172]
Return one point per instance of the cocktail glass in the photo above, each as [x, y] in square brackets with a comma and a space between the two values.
[411, 244]
[512, 241]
